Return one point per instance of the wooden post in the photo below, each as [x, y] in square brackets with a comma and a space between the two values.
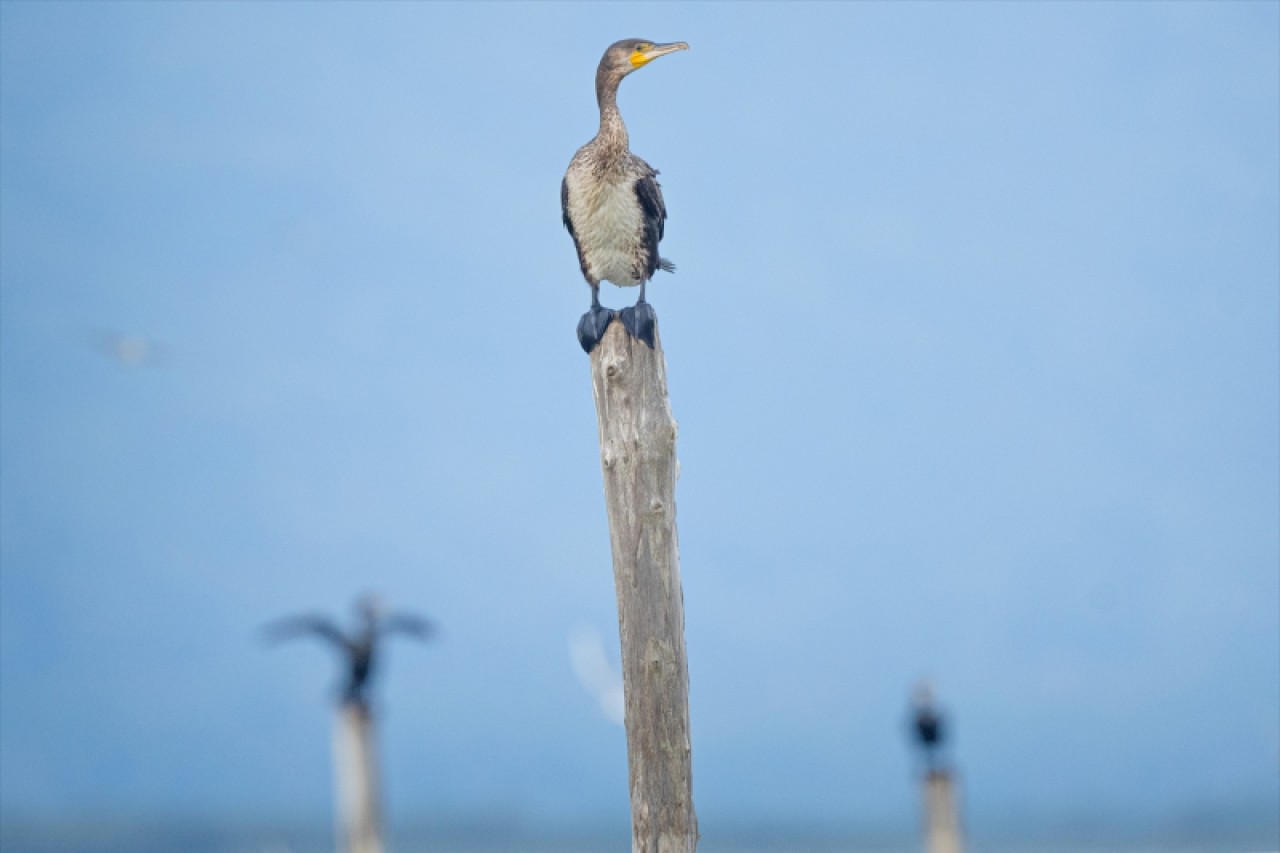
[638, 456]
[359, 812]
[941, 814]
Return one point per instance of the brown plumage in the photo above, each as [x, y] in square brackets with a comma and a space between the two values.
[611, 202]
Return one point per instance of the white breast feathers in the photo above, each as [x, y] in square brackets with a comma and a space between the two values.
[608, 222]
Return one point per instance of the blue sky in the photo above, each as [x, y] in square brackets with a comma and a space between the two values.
[974, 348]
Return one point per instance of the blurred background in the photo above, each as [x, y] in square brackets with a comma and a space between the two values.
[974, 346]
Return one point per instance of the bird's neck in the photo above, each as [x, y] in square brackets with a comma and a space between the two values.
[613, 133]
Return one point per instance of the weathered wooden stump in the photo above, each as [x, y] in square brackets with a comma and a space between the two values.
[638, 457]
[941, 814]
[359, 812]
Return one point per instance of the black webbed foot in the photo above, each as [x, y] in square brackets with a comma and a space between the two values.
[592, 326]
[640, 321]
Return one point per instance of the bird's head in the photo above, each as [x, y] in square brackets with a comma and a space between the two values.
[623, 57]
[370, 607]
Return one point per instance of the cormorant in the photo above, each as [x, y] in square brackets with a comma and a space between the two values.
[929, 729]
[612, 204]
[359, 646]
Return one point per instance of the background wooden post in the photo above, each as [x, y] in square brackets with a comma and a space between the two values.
[941, 814]
[359, 812]
[638, 457]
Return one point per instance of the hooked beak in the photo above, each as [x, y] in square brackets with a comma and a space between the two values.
[663, 49]
[644, 57]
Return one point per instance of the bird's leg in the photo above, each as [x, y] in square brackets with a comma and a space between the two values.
[640, 320]
[592, 326]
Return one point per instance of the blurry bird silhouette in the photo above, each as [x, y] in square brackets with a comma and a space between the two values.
[928, 724]
[359, 646]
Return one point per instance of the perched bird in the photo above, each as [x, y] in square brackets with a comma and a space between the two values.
[928, 724]
[612, 204]
[359, 646]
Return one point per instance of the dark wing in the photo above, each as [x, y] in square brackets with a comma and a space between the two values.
[407, 623]
[655, 216]
[650, 195]
[564, 208]
[928, 727]
[568, 224]
[298, 626]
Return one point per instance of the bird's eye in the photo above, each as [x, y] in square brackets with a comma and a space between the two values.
[643, 46]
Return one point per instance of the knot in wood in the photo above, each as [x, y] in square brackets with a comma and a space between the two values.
[657, 507]
[657, 652]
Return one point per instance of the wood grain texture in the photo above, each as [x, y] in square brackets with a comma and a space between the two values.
[638, 458]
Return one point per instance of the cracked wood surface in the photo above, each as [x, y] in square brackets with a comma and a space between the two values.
[638, 458]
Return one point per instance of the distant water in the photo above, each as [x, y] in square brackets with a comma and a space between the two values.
[203, 837]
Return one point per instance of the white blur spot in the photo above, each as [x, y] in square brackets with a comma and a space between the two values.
[130, 350]
[602, 681]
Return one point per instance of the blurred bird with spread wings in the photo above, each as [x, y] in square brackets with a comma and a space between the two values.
[360, 646]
